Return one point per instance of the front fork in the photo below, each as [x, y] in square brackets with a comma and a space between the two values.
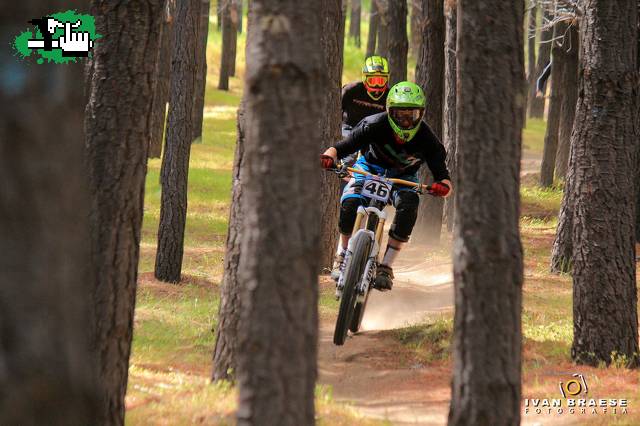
[372, 263]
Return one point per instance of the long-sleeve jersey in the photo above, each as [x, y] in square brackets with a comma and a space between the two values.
[357, 104]
[376, 138]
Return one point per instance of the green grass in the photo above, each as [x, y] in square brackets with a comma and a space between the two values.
[540, 203]
[430, 341]
[533, 135]
[174, 325]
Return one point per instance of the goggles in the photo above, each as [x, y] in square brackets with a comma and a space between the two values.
[375, 81]
[406, 118]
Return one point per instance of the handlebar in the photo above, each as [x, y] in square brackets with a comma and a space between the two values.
[419, 186]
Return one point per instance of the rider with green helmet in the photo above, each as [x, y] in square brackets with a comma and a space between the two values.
[394, 143]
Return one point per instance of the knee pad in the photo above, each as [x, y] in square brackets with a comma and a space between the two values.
[348, 210]
[406, 214]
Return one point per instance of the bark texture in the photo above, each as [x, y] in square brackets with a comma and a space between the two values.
[162, 82]
[531, 49]
[536, 104]
[430, 76]
[239, 8]
[233, 45]
[278, 333]
[561, 252]
[555, 102]
[570, 58]
[605, 147]
[47, 371]
[488, 270]
[117, 123]
[224, 353]
[449, 111]
[397, 42]
[382, 48]
[354, 25]
[329, 125]
[219, 17]
[201, 70]
[175, 162]
[415, 25]
[229, 36]
[374, 18]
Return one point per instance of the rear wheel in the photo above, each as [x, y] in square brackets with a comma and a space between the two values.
[352, 273]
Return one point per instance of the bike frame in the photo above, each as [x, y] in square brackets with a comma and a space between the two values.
[375, 209]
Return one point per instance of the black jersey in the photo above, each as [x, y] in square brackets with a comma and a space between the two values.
[357, 104]
[376, 138]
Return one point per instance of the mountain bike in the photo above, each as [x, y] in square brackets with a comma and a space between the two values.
[361, 258]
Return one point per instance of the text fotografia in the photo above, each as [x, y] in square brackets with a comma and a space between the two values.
[576, 406]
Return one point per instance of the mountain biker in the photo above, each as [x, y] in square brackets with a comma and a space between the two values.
[361, 99]
[395, 143]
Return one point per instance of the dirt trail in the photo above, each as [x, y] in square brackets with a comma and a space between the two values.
[367, 373]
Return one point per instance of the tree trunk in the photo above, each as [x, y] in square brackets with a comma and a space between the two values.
[536, 104]
[398, 44]
[415, 25]
[201, 70]
[430, 76]
[227, 41]
[278, 330]
[219, 17]
[382, 47]
[555, 102]
[449, 114]
[117, 145]
[488, 269]
[224, 353]
[354, 27]
[175, 162]
[162, 82]
[605, 133]
[329, 125]
[233, 35]
[374, 19]
[569, 98]
[638, 164]
[531, 50]
[49, 374]
[239, 11]
[561, 252]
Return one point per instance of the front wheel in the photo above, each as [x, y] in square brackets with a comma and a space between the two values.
[352, 274]
[358, 313]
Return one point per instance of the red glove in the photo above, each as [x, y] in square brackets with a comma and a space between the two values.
[327, 162]
[439, 189]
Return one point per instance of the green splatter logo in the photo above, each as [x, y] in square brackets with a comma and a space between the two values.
[60, 38]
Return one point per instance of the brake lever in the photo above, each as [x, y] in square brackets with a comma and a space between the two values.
[342, 171]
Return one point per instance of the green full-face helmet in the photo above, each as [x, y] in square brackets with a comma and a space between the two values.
[405, 109]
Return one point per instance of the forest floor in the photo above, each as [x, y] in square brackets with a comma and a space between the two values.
[398, 370]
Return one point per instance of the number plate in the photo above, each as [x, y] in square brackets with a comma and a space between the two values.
[376, 189]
